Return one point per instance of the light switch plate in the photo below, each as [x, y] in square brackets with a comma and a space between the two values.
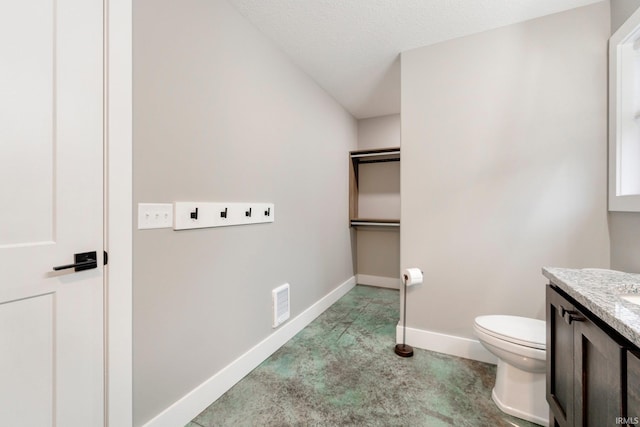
[155, 215]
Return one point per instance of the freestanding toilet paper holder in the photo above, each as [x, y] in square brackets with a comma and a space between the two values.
[404, 350]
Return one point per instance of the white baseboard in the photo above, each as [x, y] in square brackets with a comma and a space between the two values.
[194, 402]
[379, 281]
[447, 344]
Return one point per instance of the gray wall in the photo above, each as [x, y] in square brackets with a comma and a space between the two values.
[378, 249]
[379, 132]
[624, 227]
[620, 11]
[624, 230]
[221, 115]
[504, 166]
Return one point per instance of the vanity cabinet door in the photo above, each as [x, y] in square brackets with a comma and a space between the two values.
[598, 374]
[560, 366]
[633, 387]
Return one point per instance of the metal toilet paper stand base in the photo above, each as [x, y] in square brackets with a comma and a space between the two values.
[404, 350]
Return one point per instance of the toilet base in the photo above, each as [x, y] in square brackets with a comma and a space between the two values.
[521, 394]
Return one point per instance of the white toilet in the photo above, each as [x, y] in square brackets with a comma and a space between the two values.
[519, 343]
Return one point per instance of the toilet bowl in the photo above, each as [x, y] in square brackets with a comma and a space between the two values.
[519, 343]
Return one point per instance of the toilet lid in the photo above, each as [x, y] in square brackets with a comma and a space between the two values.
[515, 329]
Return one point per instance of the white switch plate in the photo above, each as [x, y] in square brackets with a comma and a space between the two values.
[155, 215]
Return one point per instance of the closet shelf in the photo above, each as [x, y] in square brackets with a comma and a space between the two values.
[357, 158]
[375, 156]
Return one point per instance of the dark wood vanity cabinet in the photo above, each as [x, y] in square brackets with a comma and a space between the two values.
[598, 387]
[593, 376]
[560, 366]
[633, 385]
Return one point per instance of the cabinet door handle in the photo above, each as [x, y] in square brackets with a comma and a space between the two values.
[574, 316]
[571, 316]
[563, 311]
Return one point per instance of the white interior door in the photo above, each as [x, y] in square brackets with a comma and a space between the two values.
[51, 207]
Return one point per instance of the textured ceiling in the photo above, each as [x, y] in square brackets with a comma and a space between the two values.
[351, 47]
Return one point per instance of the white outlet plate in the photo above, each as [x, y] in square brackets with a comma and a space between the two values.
[209, 214]
[155, 215]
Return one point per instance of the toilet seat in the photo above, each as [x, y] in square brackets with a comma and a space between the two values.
[514, 329]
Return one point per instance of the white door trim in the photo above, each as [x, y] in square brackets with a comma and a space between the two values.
[118, 215]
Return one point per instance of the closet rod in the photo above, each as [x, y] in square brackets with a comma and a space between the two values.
[367, 161]
[375, 224]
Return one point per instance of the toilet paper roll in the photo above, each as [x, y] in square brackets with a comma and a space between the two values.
[412, 276]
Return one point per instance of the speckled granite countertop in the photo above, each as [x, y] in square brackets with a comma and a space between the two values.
[600, 291]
